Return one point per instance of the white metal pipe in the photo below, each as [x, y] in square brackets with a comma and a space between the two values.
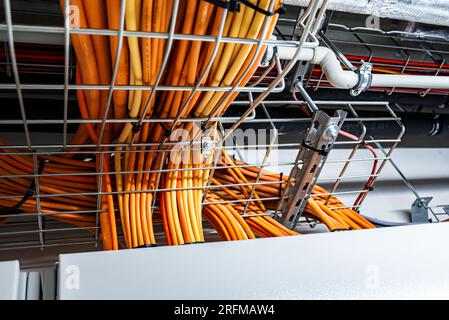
[333, 70]
[410, 81]
[345, 79]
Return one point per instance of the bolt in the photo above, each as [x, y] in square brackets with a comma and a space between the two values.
[366, 67]
[331, 132]
[269, 53]
[206, 145]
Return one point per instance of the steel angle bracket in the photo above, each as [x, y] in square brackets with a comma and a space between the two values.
[420, 210]
[446, 209]
[318, 141]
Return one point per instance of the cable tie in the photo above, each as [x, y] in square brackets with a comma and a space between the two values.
[281, 10]
[231, 5]
[320, 151]
[136, 127]
[206, 126]
[234, 6]
[29, 192]
[340, 229]
[167, 132]
[146, 245]
[194, 242]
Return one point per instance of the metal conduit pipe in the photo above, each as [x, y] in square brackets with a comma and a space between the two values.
[424, 11]
[345, 79]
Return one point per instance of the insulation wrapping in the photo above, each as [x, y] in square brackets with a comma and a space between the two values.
[424, 11]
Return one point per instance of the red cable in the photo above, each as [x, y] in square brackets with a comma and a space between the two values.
[371, 179]
[399, 63]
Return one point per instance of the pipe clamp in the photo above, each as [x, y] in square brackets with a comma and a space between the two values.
[365, 79]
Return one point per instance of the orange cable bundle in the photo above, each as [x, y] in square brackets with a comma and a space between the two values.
[61, 181]
[181, 208]
[324, 208]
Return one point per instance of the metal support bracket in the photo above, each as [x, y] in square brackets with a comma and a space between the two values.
[446, 210]
[317, 143]
[365, 79]
[268, 55]
[420, 210]
[299, 75]
[207, 145]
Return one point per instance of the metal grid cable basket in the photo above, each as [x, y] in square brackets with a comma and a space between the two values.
[37, 230]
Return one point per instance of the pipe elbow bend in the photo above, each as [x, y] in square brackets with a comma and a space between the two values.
[331, 66]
